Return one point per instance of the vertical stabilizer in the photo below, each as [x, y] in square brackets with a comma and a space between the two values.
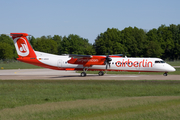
[22, 45]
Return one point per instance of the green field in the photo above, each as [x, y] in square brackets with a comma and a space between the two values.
[89, 100]
[174, 63]
[17, 65]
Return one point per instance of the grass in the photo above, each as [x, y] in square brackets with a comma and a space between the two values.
[174, 63]
[154, 108]
[73, 99]
[17, 65]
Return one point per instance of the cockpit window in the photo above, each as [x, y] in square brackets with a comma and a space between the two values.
[157, 61]
[162, 61]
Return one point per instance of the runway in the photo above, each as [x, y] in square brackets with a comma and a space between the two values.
[47, 74]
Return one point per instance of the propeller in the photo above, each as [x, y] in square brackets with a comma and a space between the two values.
[107, 61]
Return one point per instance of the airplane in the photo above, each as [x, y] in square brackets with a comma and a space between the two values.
[101, 63]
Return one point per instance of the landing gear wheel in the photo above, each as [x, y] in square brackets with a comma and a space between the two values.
[165, 74]
[101, 73]
[83, 74]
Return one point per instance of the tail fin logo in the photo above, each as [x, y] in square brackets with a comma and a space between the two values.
[21, 46]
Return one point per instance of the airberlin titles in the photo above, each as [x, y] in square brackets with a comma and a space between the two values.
[129, 63]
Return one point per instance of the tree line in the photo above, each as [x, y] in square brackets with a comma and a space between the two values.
[163, 42]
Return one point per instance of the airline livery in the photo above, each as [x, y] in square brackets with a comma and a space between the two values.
[86, 62]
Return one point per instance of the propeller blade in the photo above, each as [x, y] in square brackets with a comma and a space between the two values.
[106, 65]
[107, 61]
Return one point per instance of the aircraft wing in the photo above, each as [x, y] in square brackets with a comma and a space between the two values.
[80, 56]
[94, 56]
[117, 55]
[89, 60]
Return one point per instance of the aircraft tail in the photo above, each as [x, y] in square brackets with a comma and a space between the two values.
[22, 45]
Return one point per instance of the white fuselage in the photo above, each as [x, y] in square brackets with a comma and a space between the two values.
[117, 64]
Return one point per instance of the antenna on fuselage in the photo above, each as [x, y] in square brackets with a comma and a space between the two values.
[125, 55]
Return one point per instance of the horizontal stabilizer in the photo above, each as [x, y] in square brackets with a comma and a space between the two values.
[19, 34]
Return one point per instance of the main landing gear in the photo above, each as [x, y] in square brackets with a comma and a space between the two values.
[165, 74]
[101, 73]
[83, 74]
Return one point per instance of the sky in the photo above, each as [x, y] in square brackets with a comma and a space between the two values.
[86, 18]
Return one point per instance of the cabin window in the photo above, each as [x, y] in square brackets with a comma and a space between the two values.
[130, 63]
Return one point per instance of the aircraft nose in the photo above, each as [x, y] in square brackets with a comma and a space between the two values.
[171, 69]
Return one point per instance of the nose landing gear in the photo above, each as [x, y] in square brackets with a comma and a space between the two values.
[165, 74]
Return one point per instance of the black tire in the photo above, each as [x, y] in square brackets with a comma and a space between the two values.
[83, 74]
[165, 74]
[101, 73]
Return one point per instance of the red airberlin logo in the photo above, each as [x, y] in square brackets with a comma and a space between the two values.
[21, 46]
[129, 63]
